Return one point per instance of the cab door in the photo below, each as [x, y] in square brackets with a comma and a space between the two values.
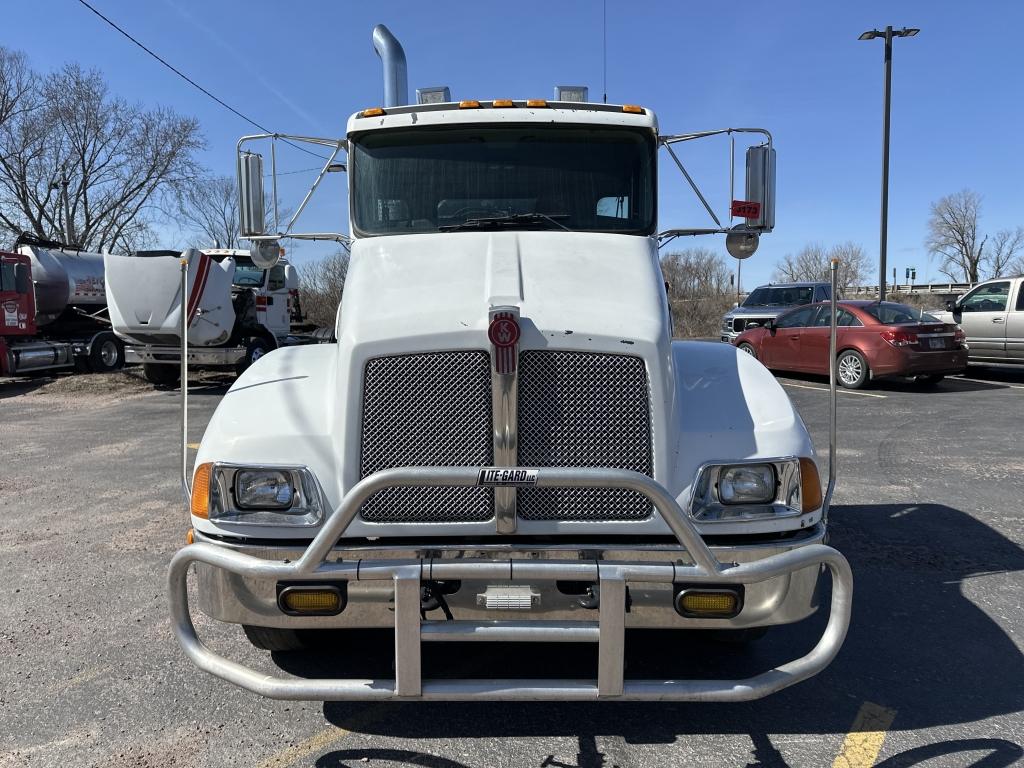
[982, 314]
[1015, 327]
[272, 304]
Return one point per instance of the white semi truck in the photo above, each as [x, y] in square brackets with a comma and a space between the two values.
[237, 311]
[505, 443]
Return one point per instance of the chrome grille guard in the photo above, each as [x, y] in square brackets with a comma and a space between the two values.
[608, 631]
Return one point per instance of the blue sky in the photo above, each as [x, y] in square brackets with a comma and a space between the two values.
[794, 68]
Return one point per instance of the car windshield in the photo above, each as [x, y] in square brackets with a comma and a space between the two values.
[898, 314]
[247, 275]
[593, 179]
[779, 296]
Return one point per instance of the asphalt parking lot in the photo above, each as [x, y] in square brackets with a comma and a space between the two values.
[928, 511]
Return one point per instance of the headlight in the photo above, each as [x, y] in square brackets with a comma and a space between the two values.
[754, 484]
[765, 489]
[257, 495]
[264, 489]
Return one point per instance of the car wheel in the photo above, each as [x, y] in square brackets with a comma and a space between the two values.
[106, 353]
[254, 350]
[749, 349]
[929, 381]
[161, 375]
[852, 369]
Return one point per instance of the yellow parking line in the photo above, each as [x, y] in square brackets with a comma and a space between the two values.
[305, 748]
[193, 446]
[843, 391]
[864, 741]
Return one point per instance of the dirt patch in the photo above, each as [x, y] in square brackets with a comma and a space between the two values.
[66, 387]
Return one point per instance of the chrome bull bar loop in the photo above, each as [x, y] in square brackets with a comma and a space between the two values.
[609, 631]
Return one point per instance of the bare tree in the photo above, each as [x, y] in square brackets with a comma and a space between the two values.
[209, 208]
[16, 85]
[76, 161]
[322, 285]
[953, 235]
[812, 263]
[1006, 256]
[699, 290]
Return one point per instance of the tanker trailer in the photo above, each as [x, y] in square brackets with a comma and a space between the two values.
[53, 308]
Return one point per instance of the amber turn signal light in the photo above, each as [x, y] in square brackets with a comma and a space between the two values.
[312, 600]
[200, 503]
[716, 603]
[810, 485]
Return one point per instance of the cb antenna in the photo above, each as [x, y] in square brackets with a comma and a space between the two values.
[604, 48]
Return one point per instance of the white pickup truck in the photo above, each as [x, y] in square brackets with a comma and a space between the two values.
[505, 443]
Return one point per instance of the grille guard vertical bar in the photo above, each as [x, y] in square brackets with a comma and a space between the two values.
[706, 568]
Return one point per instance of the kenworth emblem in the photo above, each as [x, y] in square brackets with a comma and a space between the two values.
[503, 333]
[496, 476]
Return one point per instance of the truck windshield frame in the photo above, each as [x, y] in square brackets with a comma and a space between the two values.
[582, 178]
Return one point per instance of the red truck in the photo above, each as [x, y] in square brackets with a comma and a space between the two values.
[53, 307]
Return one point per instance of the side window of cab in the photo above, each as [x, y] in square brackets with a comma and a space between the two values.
[798, 319]
[276, 281]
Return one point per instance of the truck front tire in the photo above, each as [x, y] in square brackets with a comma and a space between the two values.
[276, 639]
[254, 350]
[106, 353]
[161, 375]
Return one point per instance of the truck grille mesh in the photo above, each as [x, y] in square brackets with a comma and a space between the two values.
[578, 409]
[427, 410]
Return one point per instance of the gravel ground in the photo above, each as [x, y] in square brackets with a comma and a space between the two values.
[928, 512]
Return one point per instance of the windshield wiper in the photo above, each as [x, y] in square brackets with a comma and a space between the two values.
[484, 222]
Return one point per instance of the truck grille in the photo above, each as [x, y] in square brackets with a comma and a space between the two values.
[740, 324]
[576, 409]
[427, 410]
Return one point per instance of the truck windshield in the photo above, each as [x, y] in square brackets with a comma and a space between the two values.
[247, 275]
[779, 296]
[592, 179]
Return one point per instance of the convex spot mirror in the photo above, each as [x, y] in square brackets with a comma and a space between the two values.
[265, 253]
[741, 243]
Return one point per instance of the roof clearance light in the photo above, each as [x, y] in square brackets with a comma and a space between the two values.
[633, 109]
[536, 102]
[578, 93]
[372, 112]
[469, 104]
[440, 94]
[502, 103]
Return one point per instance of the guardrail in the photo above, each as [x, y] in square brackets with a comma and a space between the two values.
[938, 288]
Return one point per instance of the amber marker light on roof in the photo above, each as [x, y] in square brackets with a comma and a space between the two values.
[633, 109]
[373, 112]
[502, 103]
[536, 102]
[200, 503]
[469, 104]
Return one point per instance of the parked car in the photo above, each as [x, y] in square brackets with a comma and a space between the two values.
[769, 301]
[992, 318]
[874, 340]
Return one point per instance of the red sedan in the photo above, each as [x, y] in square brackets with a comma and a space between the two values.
[874, 340]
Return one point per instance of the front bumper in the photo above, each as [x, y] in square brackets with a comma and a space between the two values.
[781, 585]
[146, 354]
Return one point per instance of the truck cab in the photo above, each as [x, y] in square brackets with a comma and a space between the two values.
[504, 443]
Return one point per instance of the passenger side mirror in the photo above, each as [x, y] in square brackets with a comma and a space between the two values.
[770, 325]
[251, 207]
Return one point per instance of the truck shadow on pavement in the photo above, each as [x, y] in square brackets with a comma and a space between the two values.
[920, 643]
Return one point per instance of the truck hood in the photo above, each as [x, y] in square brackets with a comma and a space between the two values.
[428, 290]
[757, 311]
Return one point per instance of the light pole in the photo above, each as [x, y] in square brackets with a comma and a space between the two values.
[888, 34]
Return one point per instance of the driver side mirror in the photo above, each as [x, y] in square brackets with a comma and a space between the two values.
[251, 206]
[770, 326]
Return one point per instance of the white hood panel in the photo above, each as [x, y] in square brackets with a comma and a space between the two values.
[412, 288]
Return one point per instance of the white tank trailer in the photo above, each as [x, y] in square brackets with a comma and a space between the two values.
[54, 310]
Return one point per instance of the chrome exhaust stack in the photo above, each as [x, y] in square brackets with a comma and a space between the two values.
[392, 56]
